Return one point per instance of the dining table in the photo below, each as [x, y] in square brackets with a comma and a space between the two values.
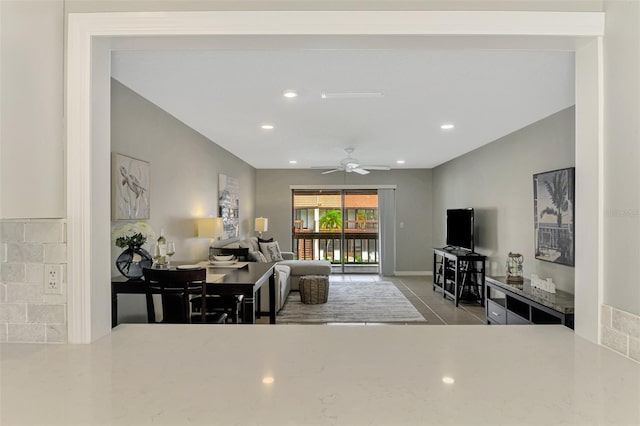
[244, 279]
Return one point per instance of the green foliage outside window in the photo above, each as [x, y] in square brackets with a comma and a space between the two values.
[331, 219]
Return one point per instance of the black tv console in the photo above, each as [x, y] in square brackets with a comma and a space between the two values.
[456, 270]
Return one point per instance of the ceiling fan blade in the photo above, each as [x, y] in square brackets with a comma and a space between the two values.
[360, 171]
[326, 172]
[376, 167]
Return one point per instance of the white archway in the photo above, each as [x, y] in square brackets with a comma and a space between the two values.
[88, 141]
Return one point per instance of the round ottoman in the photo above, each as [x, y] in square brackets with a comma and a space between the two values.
[314, 289]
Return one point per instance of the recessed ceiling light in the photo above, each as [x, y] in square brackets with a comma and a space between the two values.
[267, 127]
[293, 162]
[400, 161]
[267, 380]
[290, 94]
[447, 126]
[448, 380]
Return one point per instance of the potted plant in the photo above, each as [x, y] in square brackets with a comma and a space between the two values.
[131, 237]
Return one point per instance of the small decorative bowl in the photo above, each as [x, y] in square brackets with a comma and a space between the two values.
[223, 258]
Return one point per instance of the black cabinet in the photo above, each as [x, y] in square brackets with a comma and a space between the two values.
[522, 304]
[459, 274]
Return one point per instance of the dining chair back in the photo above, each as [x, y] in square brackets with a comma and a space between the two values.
[176, 288]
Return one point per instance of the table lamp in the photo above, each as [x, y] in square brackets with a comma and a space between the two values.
[212, 228]
[261, 225]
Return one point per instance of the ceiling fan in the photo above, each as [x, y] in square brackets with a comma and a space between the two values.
[350, 164]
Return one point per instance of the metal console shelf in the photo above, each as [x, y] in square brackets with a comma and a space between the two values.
[456, 270]
[522, 304]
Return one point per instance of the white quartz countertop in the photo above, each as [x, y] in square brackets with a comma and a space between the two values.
[320, 375]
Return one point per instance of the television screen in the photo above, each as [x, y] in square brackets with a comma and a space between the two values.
[460, 228]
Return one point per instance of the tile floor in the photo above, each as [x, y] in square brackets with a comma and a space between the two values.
[435, 308]
[419, 291]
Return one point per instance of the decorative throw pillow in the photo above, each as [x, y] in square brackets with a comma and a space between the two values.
[271, 251]
[262, 240]
[256, 256]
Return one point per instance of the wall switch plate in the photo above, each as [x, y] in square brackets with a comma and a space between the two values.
[52, 278]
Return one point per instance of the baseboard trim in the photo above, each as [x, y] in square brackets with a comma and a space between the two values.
[412, 273]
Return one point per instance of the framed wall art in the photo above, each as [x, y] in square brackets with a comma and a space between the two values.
[229, 205]
[554, 208]
[130, 188]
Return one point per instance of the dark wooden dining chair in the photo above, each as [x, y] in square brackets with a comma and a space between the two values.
[229, 304]
[176, 289]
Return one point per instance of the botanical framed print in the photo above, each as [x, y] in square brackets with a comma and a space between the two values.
[229, 205]
[130, 188]
[554, 209]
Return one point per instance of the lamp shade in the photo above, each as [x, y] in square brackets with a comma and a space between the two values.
[261, 224]
[210, 227]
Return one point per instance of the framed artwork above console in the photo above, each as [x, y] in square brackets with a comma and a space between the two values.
[554, 209]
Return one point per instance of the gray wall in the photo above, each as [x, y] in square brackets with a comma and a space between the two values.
[496, 180]
[413, 207]
[622, 155]
[184, 178]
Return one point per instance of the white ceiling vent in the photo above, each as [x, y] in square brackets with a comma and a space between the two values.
[351, 95]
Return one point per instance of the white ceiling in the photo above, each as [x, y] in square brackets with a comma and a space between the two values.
[226, 94]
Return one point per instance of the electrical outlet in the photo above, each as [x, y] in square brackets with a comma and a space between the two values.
[52, 278]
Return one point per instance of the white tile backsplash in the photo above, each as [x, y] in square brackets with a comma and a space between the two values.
[615, 340]
[13, 312]
[12, 232]
[35, 273]
[621, 331]
[634, 349]
[26, 313]
[55, 253]
[26, 333]
[12, 272]
[56, 333]
[626, 323]
[24, 252]
[25, 293]
[44, 232]
[46, 314]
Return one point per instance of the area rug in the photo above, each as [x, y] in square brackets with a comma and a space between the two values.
[378, 301]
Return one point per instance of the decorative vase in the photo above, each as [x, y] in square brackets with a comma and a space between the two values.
[132, 260]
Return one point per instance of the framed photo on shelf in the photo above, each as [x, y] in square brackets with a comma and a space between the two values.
[554, 209]
[129, 188]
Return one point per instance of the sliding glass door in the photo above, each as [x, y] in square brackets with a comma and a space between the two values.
[337, 225]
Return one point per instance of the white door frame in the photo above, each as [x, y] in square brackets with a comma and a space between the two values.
[88, 139]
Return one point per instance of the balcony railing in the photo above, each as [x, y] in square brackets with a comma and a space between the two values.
[554, 238]
[360, 246]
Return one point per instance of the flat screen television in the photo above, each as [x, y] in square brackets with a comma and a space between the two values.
[460, 228]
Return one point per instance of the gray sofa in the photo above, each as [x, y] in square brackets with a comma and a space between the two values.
[287, 272]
